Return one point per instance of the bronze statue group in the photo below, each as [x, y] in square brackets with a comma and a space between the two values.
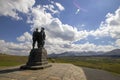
[39, 37]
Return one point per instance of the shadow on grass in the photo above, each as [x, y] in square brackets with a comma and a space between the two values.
[10, 70]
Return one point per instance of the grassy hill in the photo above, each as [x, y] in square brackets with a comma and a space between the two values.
[11, 60]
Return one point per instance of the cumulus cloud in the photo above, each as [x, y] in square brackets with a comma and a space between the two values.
[14, 48]
[12, 7]
[79, 47]
[51, 8]
[54, 7]
[39, 17]
[60, 7]
[90, 47]
[65, 32]
[110, 27]
[25, 37]
[117, 42]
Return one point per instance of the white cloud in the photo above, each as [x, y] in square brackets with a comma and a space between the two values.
[25, 37]
[54, 7]
[39, 17]
[110, 27]
[105, 48]
[51, 8]
[64, 31]
[78, 47]
[10, 7]
[60, 7]
[90, 47]
[15, 48]
[117, 42]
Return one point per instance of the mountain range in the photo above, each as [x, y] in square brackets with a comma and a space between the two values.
[113, 53]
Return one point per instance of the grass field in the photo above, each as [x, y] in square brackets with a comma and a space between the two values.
[10, 60]
[105, 63]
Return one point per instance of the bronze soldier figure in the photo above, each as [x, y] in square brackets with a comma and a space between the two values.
[39, 37]
[36, 38]
[42, 37]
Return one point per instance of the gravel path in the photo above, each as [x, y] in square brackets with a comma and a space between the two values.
[57, 72]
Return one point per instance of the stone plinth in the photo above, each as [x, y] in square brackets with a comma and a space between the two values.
[37, 59]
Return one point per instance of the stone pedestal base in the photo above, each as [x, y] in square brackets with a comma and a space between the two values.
[35, 67]
[37, 59]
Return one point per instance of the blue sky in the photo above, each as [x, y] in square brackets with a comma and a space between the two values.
[79, 24]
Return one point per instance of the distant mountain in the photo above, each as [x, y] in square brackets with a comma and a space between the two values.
[52, 55]
[73, 53]
[115, 52]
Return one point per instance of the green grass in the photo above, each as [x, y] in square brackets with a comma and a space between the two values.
[10, 60]
[104, 63]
